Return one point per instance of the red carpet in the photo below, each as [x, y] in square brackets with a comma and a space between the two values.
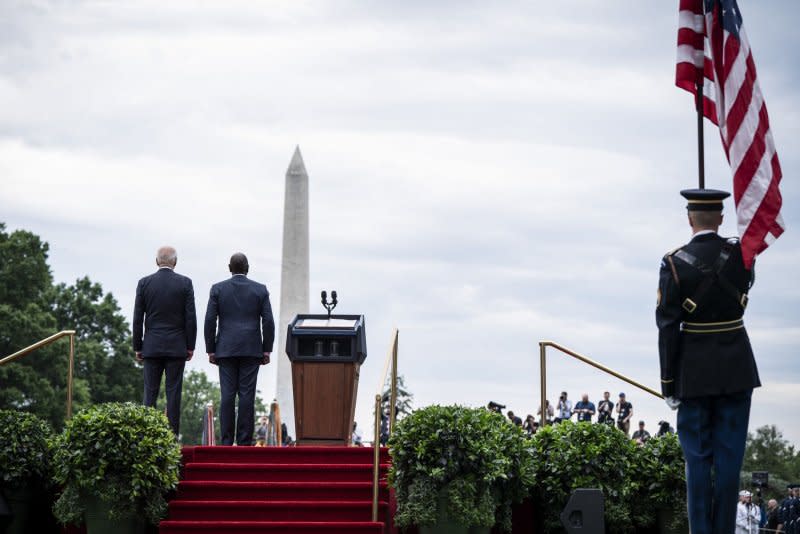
[278, 490]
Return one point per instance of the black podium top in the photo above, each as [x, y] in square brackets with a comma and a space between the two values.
[318, 338]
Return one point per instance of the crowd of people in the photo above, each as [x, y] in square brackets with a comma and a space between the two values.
[755, 517]
[607, 412]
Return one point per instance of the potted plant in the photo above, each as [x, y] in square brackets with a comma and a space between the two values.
[457, 469]
[582, 455]
[658, 486]
[24, 464]
[115, 463]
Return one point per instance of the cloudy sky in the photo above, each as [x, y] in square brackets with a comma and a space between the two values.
[483, 176]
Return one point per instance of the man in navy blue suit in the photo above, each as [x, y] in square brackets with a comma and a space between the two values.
[164, 331]
[239, 333]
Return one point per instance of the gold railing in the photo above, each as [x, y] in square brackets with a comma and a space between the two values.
[391, 359]
[543, 373]
[46, 341]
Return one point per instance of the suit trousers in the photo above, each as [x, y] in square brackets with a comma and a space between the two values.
[172, 369]
[712, 432]
[237, 377]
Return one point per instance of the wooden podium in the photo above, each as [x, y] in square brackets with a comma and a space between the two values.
[326, 355]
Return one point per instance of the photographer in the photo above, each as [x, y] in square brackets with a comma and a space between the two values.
[604, 410]
[641, 436]
[564, 411]
[530, 425]
[664, 428]
[624, 414]
[584, 409]
[548, 411]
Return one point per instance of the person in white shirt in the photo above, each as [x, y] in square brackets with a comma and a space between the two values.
[564, 410]
[748, 515]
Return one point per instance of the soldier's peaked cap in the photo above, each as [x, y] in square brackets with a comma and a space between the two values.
[704, 199]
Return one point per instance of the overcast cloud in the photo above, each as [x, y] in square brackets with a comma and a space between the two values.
[483, 176]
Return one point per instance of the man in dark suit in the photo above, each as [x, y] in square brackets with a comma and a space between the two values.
[708, 371]
[239, 333]
[164, 331]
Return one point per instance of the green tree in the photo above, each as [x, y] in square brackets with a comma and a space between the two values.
[36, 383]
[767, 450]
[198, 391]
[32, 308]
[404, 397]
[103, 341]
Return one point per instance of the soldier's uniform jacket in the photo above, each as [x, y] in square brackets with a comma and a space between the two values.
[793, 523]
[703, 345]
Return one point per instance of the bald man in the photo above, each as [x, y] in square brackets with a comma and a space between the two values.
[164, 331]
[239, 332]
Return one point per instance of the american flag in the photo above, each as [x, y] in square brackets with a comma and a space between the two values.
[713, 49]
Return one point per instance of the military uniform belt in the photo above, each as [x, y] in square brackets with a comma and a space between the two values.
[712, 328]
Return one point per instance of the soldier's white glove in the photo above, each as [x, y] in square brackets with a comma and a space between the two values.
[672, 402]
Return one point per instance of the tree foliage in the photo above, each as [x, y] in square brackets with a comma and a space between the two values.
[767, 450]
[404, 397]
[32, 307]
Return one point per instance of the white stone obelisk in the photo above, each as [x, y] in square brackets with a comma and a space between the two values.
[294, 277]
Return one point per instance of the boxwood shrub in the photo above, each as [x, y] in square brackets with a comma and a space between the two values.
[123, 453]
[637, 481]
[473, 460]
[24, 449]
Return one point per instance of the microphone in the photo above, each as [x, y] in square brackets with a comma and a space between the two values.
[324, 298]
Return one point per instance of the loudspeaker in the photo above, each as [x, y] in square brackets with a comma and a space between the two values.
[584, 512]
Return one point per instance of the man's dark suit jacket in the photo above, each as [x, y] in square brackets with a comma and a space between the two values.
[703, 364]
[165, 308]
[240, 304]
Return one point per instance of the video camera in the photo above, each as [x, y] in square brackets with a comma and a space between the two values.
[496, 407]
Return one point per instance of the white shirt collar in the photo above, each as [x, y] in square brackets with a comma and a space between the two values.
[240, 274]
[166, 267]
[703, 232]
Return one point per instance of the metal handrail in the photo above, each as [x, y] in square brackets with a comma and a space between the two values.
[208, 426]
[543, 373]
[391, 356]
[43, 343]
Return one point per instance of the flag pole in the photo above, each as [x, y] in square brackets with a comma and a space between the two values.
[701, 173]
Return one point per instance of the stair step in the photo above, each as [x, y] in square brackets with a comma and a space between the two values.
[281, 472]
[271, 527]
[284, 455]
[202, 490]
[276, 511]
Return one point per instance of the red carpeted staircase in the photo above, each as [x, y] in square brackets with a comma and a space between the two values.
[279, 490]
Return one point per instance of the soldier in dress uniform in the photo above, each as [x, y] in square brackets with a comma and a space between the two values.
[793, 513]
[708, 371]
[783, 509]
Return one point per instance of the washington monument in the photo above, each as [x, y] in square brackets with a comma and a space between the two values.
[294, 276]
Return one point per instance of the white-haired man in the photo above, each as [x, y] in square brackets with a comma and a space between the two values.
[164, 331]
